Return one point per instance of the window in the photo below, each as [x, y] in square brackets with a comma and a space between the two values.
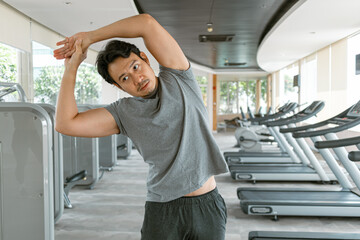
[203, 84]
[263, 96]
[251, 95]
[308, 80]
[8, 64]
[9, 72]
[287, 90]
[236, 94]
[48, 72]
[228, 97]
[353, 93]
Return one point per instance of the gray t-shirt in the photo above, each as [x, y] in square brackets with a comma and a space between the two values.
[171, 131]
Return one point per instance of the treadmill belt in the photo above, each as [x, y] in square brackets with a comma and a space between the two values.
[270, 169]
[316, 198]
[255, 154]
[272, 235]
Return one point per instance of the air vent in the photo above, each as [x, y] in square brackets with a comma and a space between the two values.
[216, 38]
[235, 64]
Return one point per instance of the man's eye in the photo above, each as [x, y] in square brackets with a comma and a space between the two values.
[125, 78]
[136, 66]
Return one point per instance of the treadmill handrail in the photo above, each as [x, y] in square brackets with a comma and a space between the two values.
[261, 120]
[300, 116]
[17, 87]
[354, 156]
[337, 143]
[327, 130]
[315, 125]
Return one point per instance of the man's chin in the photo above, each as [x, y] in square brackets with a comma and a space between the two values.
[150, 93]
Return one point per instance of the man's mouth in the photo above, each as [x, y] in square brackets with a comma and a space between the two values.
[143, 85]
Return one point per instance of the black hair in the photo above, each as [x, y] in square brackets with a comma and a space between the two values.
[112, 51]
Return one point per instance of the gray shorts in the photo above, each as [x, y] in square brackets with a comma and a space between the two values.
[201, 217]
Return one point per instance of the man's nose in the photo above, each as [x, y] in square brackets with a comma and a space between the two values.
[138, 78]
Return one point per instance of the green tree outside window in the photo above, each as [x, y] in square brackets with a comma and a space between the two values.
[87, 87]
[203, 81]
[8, 64]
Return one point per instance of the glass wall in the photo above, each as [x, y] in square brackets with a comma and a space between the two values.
[8, 64]
[47, 75]
[288, 92]
[353, 92]
[308, 80]
[10, 67]
[228, 97]
[240, 94]
[203, 84]
[263, 96]
[251, 96]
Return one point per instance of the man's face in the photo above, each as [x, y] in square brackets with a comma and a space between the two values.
[134, 75]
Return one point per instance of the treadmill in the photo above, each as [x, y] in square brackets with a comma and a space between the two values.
[272, 235]
[344, 202]
[255, 137]
[272, 156]
[278, 235]
[309, 170]
[234, 158]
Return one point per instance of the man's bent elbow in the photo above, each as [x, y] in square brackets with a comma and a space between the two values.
[61, 128]
[148, 20]
[147, 17]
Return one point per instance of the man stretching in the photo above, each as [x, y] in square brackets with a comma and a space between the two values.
[166, 120]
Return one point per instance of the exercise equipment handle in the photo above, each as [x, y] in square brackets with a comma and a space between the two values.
[337, 143]
[354, 156]
[12, 87]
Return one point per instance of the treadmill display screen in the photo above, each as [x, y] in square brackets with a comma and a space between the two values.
[355, 110]
[312, 107]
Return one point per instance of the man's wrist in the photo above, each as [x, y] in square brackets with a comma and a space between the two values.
[70, 72]
[92, 37]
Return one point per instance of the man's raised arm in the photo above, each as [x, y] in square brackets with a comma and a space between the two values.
[92, 123]
[157, 40]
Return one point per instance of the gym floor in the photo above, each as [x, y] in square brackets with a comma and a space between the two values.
[114, 209]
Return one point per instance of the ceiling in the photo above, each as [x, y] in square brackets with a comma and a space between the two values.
[245, 21]
[267, 34]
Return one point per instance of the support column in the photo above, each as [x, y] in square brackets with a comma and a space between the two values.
[214, 103]
[269, 91]
[257, 95]
[299, 81]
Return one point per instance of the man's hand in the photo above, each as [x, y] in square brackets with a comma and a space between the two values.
[68, 48]
[77, 56]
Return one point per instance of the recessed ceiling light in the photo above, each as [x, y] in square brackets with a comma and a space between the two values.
[312, 32]
[209, 27]
[68, 3]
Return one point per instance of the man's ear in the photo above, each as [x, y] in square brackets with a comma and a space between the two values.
[144, 57]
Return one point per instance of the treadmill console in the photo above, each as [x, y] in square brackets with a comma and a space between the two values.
[354, 111]
[312, 107]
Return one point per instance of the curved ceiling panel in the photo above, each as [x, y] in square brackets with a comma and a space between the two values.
[307, 27]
